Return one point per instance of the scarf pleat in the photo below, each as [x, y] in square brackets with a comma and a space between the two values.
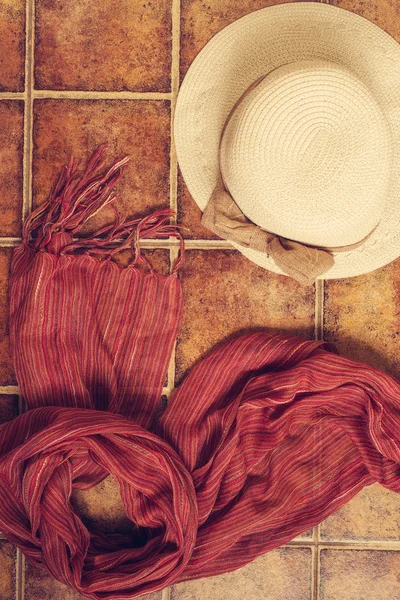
[266, 437]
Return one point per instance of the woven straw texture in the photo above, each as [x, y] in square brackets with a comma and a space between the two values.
[351, 196]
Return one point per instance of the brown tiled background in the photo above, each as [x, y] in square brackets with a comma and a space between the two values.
[79, 72]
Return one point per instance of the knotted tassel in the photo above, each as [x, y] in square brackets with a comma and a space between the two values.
[76, 198]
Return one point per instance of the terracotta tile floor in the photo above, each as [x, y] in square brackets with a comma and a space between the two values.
[76, 73]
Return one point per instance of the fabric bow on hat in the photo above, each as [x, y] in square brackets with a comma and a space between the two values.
[224, 217]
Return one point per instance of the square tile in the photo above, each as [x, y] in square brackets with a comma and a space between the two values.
[11, 161]
[226, 294]
[374, 514]
[8, 407]
[140, 129]
[8, 556]
[115, 45]
[7, 375]
[362, 317]
[282, 573]
[12, 45]
[384, 13]
[202, 19]
[359, 575]
[40, 585]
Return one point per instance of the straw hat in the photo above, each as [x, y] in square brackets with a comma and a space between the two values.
[296, 108]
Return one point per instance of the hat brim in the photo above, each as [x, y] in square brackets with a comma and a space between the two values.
[252, 47]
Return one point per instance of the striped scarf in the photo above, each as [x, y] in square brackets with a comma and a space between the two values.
[265, 438]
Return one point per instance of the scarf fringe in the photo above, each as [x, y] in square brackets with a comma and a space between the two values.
[78, 197]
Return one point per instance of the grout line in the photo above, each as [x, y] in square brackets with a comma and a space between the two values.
[173, 164]
[319, 309]
[305, 545]
[176, 34]
[346, 545]
[166, 594]
[318, 533]
[19, 575]
[21, 404]
[176, 17]
[12, 95]
[300, 540]
[85, 95]
[360, 545]
[99, 95]
[28, 112]
[11, 242]
[23, 570]
[195, 244]
[315, 573]
[9, 389]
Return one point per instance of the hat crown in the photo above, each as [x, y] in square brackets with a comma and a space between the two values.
[306, 154]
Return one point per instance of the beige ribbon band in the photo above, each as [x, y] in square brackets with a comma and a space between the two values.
[224, 217]
[304, 263]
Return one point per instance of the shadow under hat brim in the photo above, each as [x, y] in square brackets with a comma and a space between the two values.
[252, 47]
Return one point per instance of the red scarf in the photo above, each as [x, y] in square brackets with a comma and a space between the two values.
[264, 439]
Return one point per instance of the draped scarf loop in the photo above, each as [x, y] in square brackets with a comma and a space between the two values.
[265, 438]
